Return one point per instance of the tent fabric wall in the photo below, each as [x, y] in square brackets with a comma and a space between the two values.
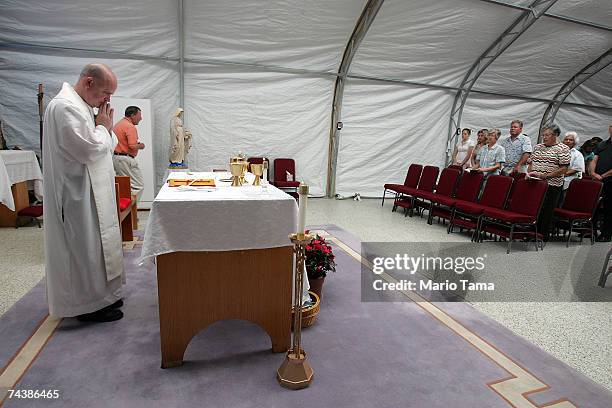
[232, 108]
[387, 127]
[279, 33]
[259, 75]
[543, 58]
[594, 90]
[576, 118]
[596, 11]
[146, 27]
[490, 111]
[428, 42]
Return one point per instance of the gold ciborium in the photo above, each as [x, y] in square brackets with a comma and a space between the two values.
[236, 169]
[257, 170]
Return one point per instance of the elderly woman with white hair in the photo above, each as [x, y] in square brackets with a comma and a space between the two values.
[576, 166]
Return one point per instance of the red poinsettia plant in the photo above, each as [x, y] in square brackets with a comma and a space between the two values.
[319, 258]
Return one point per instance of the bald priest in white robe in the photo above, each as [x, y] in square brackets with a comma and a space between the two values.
[83, 248]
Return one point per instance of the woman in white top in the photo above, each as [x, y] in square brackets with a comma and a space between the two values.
[463, 150]
[481, 141]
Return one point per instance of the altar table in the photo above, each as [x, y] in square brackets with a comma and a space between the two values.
[221, 253]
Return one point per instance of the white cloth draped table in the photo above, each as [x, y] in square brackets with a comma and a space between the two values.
[221, 218]
[17, 166]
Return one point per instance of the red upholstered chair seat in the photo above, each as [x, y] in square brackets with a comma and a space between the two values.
[124, 203]
[505, 233]
[444, 200]
[412, 179]
[572, 215]
[406, 190]
[393, 187]
[441, 212]
[34, 211]
[425, 195]
[508, 216]
[403, 202]
[469, 224]
[281, 184]
[467, 207]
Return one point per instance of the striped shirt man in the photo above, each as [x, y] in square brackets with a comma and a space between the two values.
[548, 159]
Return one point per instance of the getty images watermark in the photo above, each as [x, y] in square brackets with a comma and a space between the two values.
[424, 264]
[465, 271]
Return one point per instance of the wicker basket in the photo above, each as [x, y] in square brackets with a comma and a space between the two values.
[310, 313]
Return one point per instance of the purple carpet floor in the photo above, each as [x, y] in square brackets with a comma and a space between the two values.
[363, 354]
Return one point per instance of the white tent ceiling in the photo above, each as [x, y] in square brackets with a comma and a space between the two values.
[259, 75]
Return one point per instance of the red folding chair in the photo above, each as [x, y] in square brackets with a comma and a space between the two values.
[468, 213]
[412, 180]
[406, 200]
[444, 190]
[467, 190]
[519, 219]
[283, 167]
[578, 210]
[33, 212]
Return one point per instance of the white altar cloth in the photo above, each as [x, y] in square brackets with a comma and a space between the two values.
[17, 166]
[221, 218]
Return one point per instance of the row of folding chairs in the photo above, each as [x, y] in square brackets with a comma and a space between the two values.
[508, 206]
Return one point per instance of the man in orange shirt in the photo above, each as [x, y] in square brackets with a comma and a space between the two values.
[124, 158]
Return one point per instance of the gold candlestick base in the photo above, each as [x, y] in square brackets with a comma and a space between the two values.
[295, 373]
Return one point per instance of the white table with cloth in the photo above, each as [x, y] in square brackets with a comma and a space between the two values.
[19, 170]
[222, 253]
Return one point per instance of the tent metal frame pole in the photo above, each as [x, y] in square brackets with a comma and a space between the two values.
[552, 15]
[454, 88]
[370, 10]
[501, 44]
[264, 67]
[17, 45]
[181, 16]
[574, 82]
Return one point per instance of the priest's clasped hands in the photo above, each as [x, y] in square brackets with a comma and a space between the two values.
[105, 116]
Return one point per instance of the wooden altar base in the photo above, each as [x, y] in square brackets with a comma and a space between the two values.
[8, 218]
[197, 289]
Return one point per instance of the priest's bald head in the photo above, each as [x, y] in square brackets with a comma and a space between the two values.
[96, 84]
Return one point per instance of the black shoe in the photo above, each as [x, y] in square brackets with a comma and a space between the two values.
[115, 305]
[603, 238]
[102, 315]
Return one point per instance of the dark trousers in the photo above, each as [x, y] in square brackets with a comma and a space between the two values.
[551, 199]
[606, 195]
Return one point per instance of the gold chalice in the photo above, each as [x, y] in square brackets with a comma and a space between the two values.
[236, 169]
[257, 170]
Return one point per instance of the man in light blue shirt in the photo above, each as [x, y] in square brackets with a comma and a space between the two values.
[492, 156]
[518, 149]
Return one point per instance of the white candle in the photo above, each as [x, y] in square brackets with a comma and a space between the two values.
[303, 194]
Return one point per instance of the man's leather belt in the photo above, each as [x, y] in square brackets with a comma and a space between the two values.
[123, 154]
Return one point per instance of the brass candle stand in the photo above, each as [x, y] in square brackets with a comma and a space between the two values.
[295, 372]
